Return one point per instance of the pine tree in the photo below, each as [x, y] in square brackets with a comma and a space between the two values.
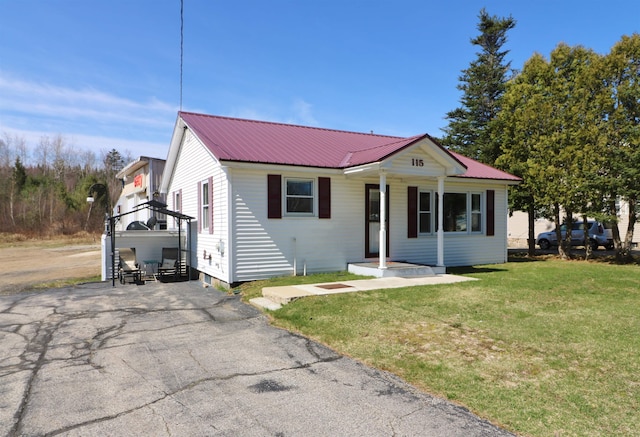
[483, 85]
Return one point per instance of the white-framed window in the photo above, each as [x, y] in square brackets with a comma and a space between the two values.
[204, 196]
[299, 196]
[177, 205]
[425, 218]
[462, 212]
[476, 212]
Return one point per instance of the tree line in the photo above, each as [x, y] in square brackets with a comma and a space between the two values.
[568, 125]
[44, 189]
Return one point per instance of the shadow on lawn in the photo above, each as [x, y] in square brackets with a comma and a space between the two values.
[576, 254]
[473, 270]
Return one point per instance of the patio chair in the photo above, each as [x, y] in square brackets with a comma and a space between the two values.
[169, 263]
[127, 265]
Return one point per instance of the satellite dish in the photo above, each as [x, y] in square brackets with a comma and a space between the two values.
[152, 222]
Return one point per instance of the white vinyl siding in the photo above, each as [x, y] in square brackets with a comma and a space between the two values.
[416, 163]
[266, 248]
[195, 164]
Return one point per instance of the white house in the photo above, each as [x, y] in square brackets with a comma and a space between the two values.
[275, 199]
[140, 183]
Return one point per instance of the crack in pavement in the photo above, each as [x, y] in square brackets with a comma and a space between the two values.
[34, 355]
[106, 359]
[44, 334]
[83, 353]
[191, 385]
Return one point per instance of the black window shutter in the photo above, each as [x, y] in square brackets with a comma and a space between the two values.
[274, 196]
[324, 198]
[412, 212]
[491, 212]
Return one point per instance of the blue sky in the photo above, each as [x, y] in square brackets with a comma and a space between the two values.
[106, 74]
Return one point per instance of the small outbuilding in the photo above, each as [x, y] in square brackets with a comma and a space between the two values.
[272, 199]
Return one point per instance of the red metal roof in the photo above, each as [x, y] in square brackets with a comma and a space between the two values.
[234, 139]
[478, 170]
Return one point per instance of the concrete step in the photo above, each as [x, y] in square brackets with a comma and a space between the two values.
[263, 302]
[283, 295]
[395, 269]
[409, 272]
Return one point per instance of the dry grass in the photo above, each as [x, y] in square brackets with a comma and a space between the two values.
[22, 240]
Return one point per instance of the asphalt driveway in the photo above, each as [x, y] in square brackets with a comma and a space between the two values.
[179, 359]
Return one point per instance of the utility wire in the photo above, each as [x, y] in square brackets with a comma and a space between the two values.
[181, 47]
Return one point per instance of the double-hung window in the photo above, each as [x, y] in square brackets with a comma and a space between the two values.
[177, 204]
[299, 196]
[204, 196]
[424, 212]
[476, 212]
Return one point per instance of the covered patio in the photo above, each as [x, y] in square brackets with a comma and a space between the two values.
[148, 244]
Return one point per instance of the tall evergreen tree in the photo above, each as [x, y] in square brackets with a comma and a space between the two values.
[550, 131]
[623, 136]
[482, 85]
[521, 129]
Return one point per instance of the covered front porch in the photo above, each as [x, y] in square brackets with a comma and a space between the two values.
[422, 163]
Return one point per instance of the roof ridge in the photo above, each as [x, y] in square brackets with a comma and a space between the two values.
[279, 123]
[397, 140]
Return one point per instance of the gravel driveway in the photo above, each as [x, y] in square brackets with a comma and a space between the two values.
[179, 359]
[24, 266]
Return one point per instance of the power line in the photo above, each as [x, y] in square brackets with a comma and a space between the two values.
[181, 46]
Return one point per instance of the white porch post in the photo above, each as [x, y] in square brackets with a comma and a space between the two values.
[440, 234]
[383, 221]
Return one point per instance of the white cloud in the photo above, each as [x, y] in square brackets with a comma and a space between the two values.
[302, 113]
[96, 144]
[95, 119]
[37, 99]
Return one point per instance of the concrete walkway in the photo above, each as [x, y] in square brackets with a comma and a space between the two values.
[274, 297]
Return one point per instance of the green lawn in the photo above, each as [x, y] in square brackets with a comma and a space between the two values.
[542, 348]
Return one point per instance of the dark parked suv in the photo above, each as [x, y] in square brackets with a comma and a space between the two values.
[597, 236]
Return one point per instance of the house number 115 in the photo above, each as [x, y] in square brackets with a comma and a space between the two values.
[417, 162]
